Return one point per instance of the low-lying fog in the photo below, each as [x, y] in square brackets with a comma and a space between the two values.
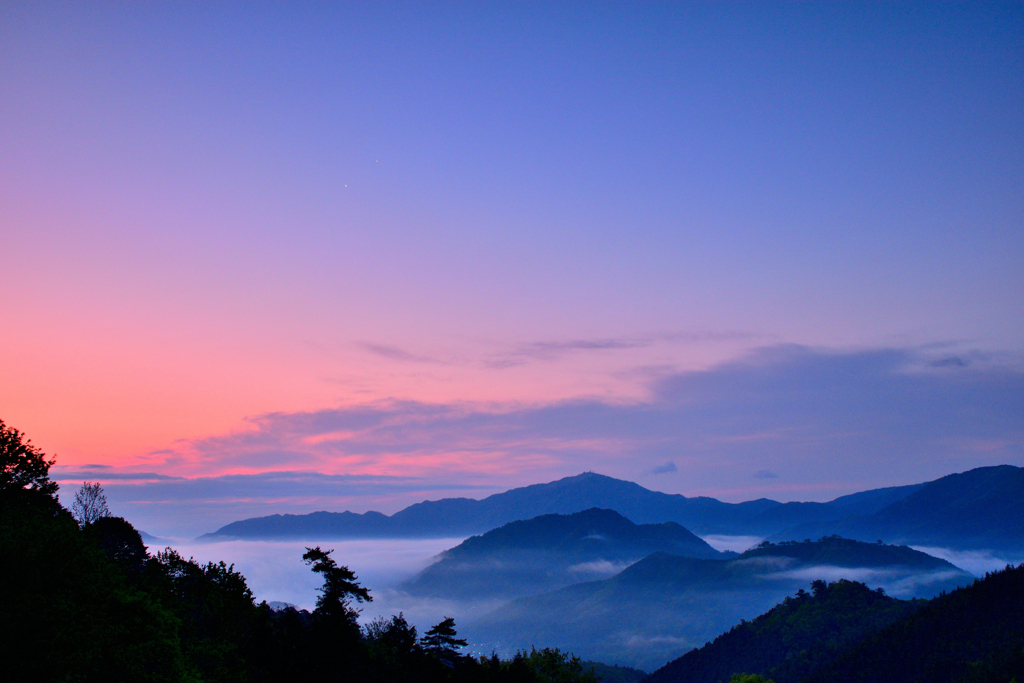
[275, 571]
[736, 544]
[977, 562]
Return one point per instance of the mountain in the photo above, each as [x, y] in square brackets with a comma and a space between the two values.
[971, 635]
[466, 516]
[548, 552]
[978, 509]
[788, 515]
[794, 638]
[846, 632]
[664, 605]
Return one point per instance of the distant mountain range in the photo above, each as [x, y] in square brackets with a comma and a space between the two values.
[466, 516]
[548, 552]
[664, 605]
[975, 509]
[979, 509]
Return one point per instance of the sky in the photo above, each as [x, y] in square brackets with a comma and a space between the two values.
[280, 257]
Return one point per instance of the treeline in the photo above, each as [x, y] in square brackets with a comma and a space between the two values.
[972, 635]
[83, 600]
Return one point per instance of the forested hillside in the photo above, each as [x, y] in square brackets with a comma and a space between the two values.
[845, 632]
[793, 639]
[974, 634]
[84, 601]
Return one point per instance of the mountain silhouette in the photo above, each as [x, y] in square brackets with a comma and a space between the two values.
[664, 605]
[978, 509]
[466, 516]
[550, 551]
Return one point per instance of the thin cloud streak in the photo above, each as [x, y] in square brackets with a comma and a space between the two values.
[395, 353]
[833, 422]
[547, 351]
[820, 416]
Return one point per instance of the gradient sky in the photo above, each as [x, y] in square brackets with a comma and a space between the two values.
[422, 249]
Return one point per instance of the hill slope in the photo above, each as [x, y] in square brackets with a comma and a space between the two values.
[794, 638]
[664, 605]
[974, 634]
[548, 552]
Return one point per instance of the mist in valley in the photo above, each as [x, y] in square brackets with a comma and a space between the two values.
[275, 572]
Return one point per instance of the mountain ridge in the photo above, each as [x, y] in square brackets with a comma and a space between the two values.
[550, 551]
[663, 605]
[467, 516]
[976, 509]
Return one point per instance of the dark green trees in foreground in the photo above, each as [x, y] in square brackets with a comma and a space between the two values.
[844, 631]
[88, 603]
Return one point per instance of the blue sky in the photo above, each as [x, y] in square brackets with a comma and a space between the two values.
[217, 213]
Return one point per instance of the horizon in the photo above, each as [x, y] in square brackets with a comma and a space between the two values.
[344, 256]
[190, 533]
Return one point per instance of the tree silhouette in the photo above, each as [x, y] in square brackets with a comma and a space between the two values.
[440, 640]
[120, 541]
[340, 585]
[90, 504]
[23, 465]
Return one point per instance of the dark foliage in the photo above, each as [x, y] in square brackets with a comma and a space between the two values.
[795, 638]
[90, 604]
[975, 633]
[120, 541]
[22, 465]
[846, 632]
[609, 673]
[90, 503]
[442, 642]
[69, 613]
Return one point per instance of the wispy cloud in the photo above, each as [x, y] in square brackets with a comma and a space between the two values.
[827, 415]
[834, 422]
[399, 354]
[64, 474]
[665, 468]
[554, 350]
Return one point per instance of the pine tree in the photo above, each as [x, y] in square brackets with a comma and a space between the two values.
[440, 640]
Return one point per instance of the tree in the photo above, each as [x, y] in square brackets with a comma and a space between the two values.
[90, 504]
[340, 587]
[22, 465]
[395, 635]
[440, 640]
[120, 541]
